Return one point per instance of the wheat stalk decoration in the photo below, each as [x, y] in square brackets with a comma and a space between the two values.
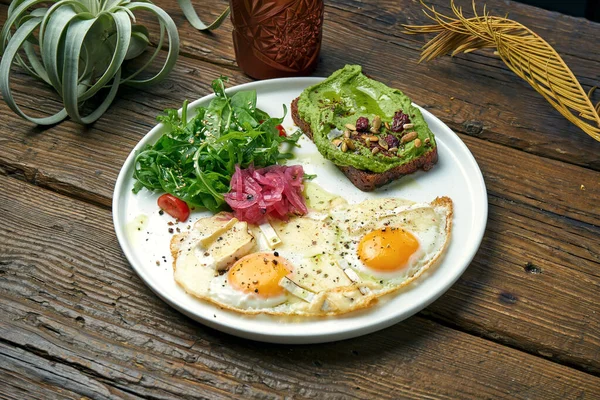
[524, 52]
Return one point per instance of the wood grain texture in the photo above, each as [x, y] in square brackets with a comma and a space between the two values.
[95, 155]
[522, 322]
[27, 375]
[105, 334]
[522, 288]
[40, 154]
[85, 165]
[475, 94]
[433, 85]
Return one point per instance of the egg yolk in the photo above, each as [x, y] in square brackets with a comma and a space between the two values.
[387, 249]
[259, 273]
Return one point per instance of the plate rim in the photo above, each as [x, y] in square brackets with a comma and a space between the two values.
[302, 337]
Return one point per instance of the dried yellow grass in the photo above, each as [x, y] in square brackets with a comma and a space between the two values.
[524, 52]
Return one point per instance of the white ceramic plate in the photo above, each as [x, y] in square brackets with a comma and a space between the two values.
[144, 234]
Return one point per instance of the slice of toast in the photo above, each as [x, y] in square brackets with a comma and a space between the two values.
[367, 180]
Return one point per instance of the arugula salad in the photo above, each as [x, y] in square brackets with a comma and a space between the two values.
[195, 160]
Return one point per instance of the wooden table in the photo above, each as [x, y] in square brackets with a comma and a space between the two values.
[523, 321]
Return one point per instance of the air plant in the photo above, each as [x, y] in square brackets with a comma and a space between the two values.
[524, 52]
[79, 48]
[195, 21]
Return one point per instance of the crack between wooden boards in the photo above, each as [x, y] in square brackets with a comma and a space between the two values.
[86, 371]
[34, 177]
[541, 352]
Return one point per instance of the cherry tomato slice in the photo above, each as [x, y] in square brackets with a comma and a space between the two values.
[281, 130]
[173, 206]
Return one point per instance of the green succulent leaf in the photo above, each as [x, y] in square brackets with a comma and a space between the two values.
[166, 24]
[9, 54]
[140, 38]
[195, 21]
[83, 45]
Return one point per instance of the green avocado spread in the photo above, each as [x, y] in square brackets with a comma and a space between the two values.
[334, 106]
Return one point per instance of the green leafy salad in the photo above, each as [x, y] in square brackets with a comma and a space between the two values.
[194, 160]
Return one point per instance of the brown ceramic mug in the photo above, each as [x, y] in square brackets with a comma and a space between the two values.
[277, 38]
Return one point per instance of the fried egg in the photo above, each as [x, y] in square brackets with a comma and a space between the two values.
[391, 239]
[337, 258]
[253, 282]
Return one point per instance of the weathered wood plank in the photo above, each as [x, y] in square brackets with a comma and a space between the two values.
[416, 359]
[552, 313]
[522, 288]
[26, 148]
[88, 311]
[189, 80]
[25, 375]
[548, 185]
[475, 94]
[94, 156]
[541, 188]
[493, 104]
[384, 17]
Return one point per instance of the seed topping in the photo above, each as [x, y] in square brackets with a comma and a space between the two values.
[383, 143]
[409, 137]
[376, 124]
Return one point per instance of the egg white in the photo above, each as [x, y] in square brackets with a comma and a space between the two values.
[322, 248]
[222, 291]
[426, 224]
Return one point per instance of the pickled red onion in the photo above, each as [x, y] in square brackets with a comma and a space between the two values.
[274, 191]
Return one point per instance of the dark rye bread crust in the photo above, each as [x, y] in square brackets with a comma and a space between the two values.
[366, 180]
